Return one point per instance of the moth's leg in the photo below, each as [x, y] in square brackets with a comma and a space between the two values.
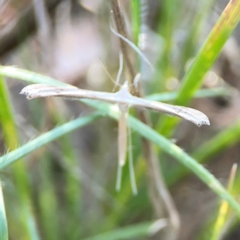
[122, 134]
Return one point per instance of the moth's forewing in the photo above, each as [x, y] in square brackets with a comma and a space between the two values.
[189, 114]
[43, 90]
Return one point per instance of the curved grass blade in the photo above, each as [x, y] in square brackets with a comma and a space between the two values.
[29, 76]
[218, 143]
[135, 231]
[26, 219]
[135, 7]
[185, 159]
[201, 93]
[46, 138]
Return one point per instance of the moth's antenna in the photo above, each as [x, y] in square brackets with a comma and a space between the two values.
[107, 72]
[132, 45]
[119, 71]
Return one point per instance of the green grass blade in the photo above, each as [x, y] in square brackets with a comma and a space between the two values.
[202, 93]
[29, 76]
[46, 138]
[185, 159]
[3, 220]
[26, 217]
[135, 7]
[130, 232]
[218, 143]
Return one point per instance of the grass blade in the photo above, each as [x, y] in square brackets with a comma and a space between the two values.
[201, 93]
[26, 217]
[46, 138]
[29, 76]
[135, 7]
[136, 231]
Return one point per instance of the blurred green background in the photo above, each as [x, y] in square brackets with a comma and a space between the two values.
[63, 184]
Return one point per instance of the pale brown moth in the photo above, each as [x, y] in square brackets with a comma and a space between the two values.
[123, 98]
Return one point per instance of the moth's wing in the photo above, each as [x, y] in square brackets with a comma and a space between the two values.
[187, 113]
[123, 96]
[193, 115]
[44, 90]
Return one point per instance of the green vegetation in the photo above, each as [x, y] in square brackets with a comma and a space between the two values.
[51, 197]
